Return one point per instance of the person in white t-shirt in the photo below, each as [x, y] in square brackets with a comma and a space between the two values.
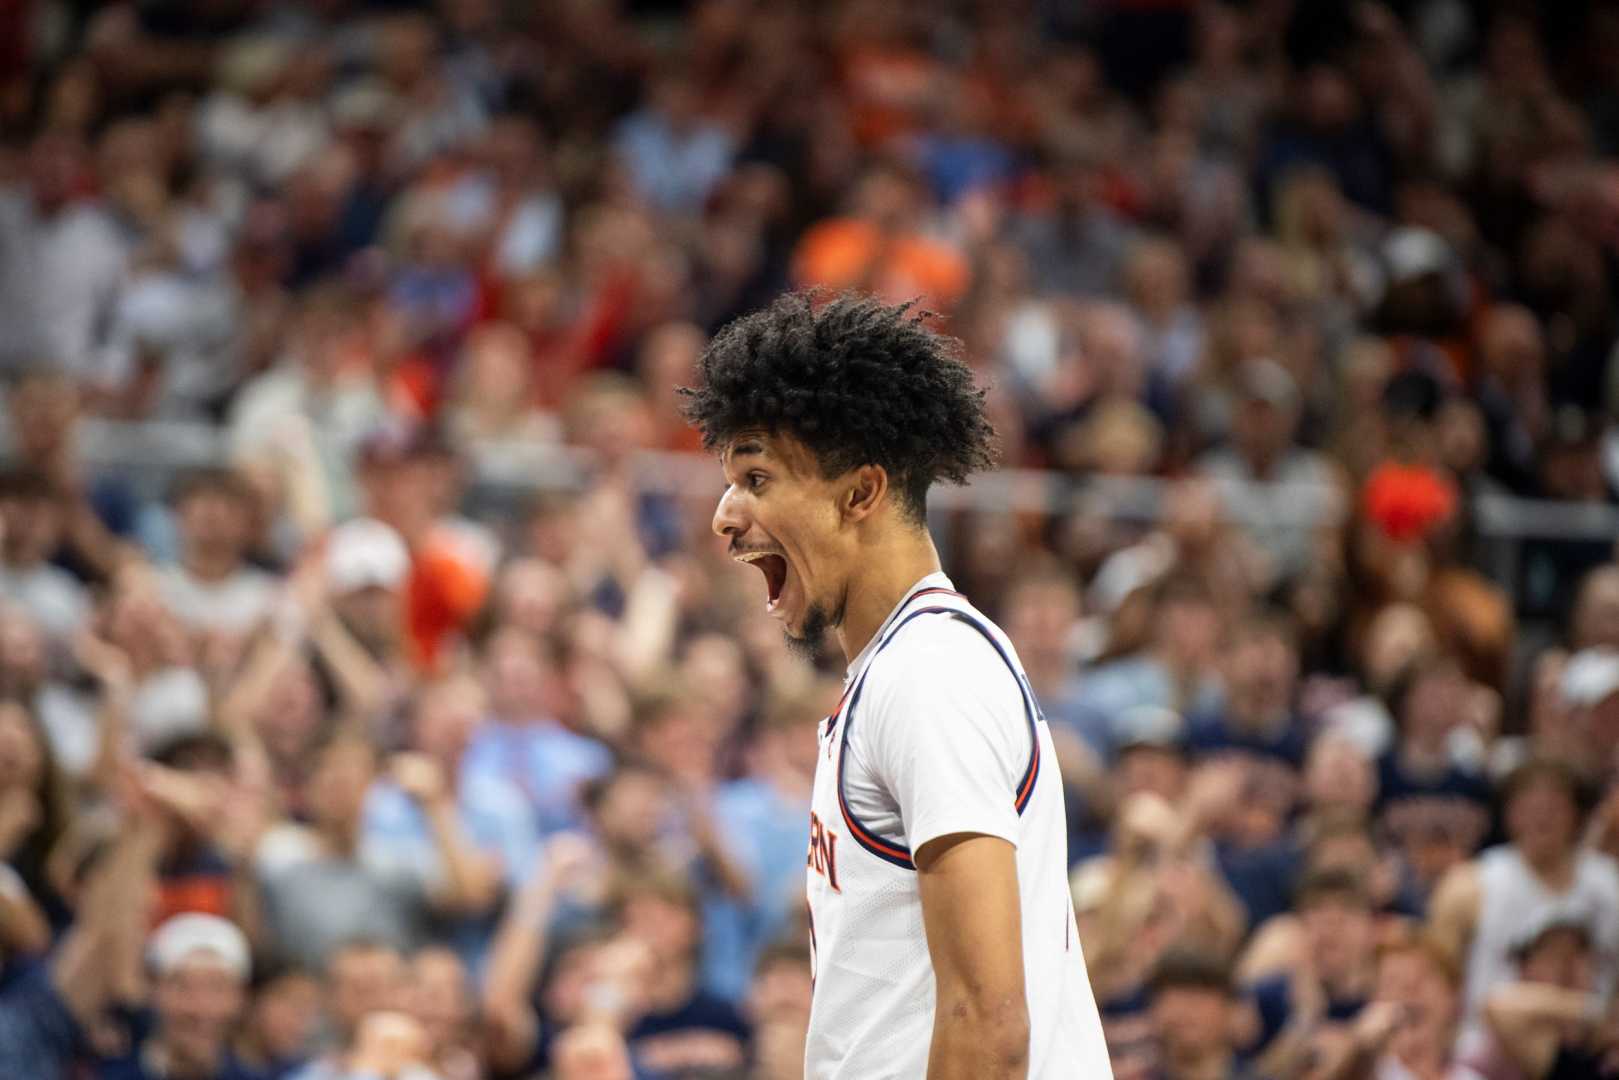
[941, 926]
[213, 589]
[31, 524]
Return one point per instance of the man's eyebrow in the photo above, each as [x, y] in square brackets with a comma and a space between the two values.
[745, 448]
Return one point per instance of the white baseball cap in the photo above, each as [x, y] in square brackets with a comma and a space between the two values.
[197, 937]
[1592, 676]
[1412, 252]
[363, 553]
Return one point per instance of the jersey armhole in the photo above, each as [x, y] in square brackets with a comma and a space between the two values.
[891, 851]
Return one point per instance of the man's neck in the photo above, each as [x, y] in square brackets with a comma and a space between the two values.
[47, 209]
[340, 839]
[1348, 985]
[210, 566]
[881, 579]
[162, 1061]
[789, 782]
[1212, 1064]
[521, 714]
[250, 1050]
[1555, 869]
[1425, 752]
[1423, 1057]
[672, 986]
[1262, 463]
[1047, 672]
[1184, 670]
[1259, 720]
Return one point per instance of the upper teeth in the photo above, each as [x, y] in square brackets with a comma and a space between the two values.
[753, 556]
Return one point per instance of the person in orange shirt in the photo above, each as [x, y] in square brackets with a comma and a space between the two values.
[412, 483]
[888, 73]
[668, 359]
[880, 246]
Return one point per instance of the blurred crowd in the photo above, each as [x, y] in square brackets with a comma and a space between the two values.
[313, 768]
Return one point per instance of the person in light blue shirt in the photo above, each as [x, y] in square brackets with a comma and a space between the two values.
[499, 823]
[675, 156]
[49, 1004]
[1177, 670]
[520, 746]
[764, 816]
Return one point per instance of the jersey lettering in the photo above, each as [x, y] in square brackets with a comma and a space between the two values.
[823, 852]
[866, 1017]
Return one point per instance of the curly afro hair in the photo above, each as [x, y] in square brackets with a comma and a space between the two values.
[858, 382]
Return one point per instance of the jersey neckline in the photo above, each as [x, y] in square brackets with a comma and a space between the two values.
[936, 580]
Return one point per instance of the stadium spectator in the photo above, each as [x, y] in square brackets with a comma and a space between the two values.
[210, 588]
[199, 966]
[65, 258]
[1409, 1026]
[283, 1018]
[1539, 870]
[32, 519]
[354, 588]
[323, 884]
[1435, 810]
[1177, 668]
[522, 743]
[363, 976]
[1329, 980]
[500, 832]
[1192, 1007]
[1264, 447]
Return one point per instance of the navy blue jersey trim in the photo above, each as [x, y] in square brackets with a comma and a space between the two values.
[832, 725]
[891, 851]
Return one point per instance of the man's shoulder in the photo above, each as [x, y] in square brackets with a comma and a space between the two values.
[324, 1068]
[177, 584]
[957, 645]
[14, 206]
[285, 847]
[127, 1067]
[1221, 463]
[948, 619]
[36, 1024]
[494, 797]
[1303, 465]
[274, 390]
[1104, 684]
[40, 576]
[498, 740]
[743, 794]
[943, 666]
[90, 223]
[1603, 869]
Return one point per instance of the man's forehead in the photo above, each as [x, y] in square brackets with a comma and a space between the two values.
[747, 444]
[750, 442]
[766, 446]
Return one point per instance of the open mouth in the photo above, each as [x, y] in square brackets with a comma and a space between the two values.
[774, 567]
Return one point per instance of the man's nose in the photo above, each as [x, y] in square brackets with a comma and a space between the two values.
[728, 518]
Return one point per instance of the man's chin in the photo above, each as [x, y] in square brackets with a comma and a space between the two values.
[799, 647]
[810, 635]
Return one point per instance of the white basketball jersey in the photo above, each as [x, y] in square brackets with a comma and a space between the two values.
[937, 733]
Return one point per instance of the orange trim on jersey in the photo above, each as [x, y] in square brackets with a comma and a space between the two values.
[886, 850]
[832, 721]
[873, 843]
[1033, 772]
[931, 589]
[898, 854]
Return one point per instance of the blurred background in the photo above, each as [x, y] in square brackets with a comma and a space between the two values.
[374, 701]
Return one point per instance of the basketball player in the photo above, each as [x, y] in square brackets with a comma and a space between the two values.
[941, 927]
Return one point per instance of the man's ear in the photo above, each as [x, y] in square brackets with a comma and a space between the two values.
[867, 489]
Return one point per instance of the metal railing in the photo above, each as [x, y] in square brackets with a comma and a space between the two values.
[151, 453]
